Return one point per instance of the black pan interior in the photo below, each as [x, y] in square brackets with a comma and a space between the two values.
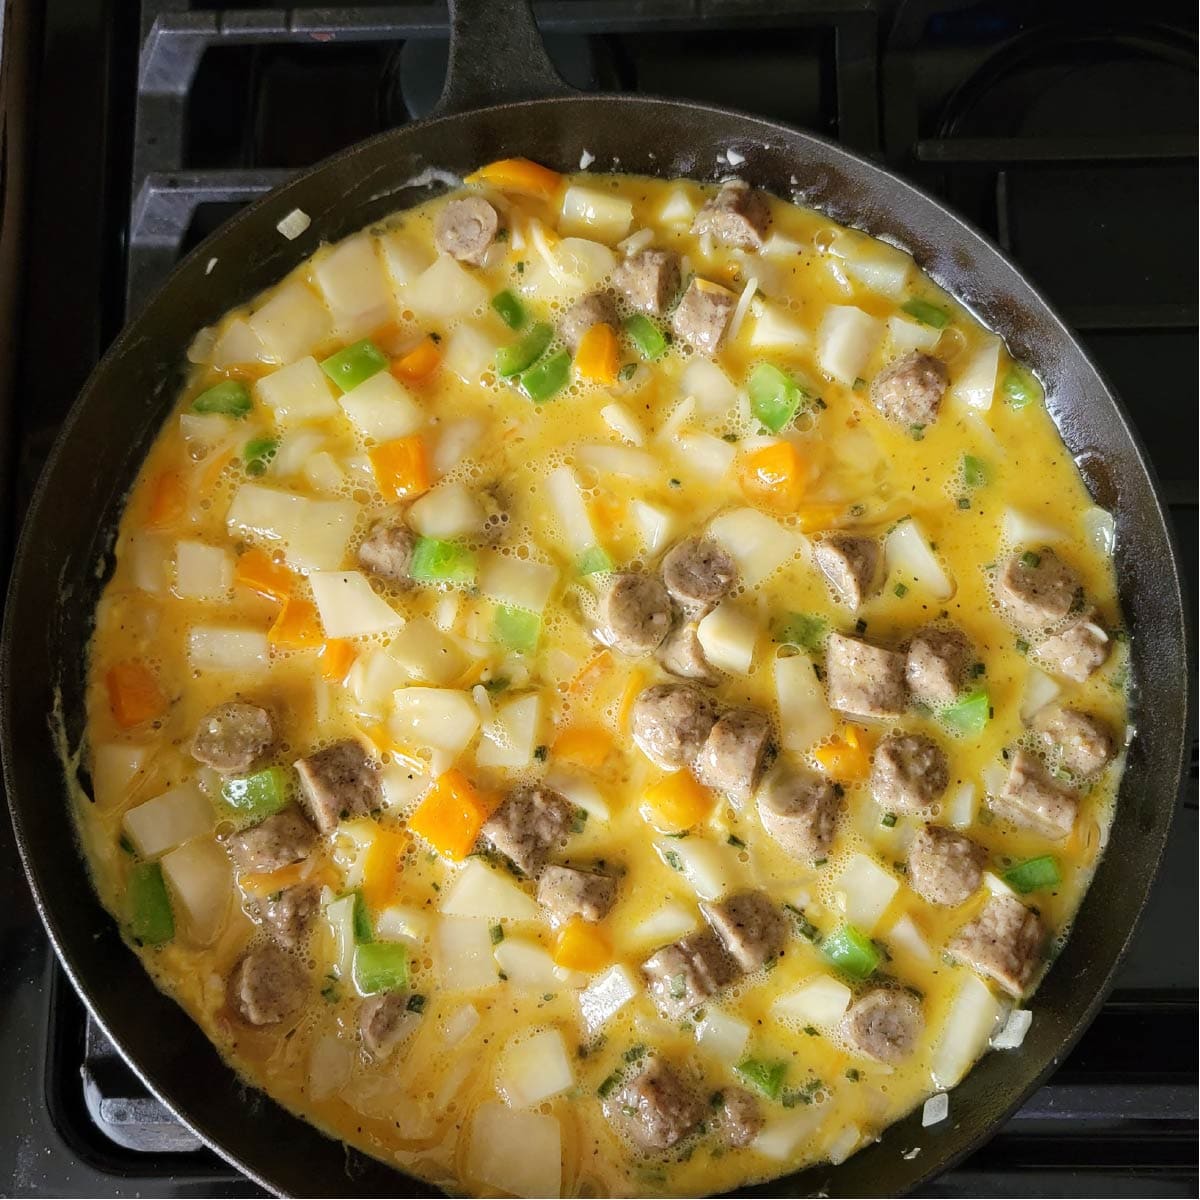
[65, 554]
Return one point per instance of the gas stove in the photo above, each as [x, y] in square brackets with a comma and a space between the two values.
[1066, 132]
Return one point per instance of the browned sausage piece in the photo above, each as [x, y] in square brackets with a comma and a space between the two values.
[1083, 743]
[654, 1107]
[387, 551]
[736, 216]
[276, 842]
[383, 1020]
[649, 280]
[731, 759]
[945, 867]
[698, 572]
[751, 928]
[1004, 943]
[1077, 651]
[1036, 588]
[885, 1024]
[566, 892]
[466, 229]
[1033, 799]
[909, 773]
[937, 665]
[850, 564]
[864, 680]
[596, 308]
[703, 314]
[741, 1116]
[683, 975]
[670, 722]
[635, 614]
[528, 825]
[338, 783]
[910, 390]
[267, 985]
[683, 656]
[799, 810]
[288, 915]
[233, 736]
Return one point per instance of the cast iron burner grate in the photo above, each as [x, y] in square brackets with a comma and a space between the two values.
[1069, 138]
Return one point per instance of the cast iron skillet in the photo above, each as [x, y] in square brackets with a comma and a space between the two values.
[497, 60]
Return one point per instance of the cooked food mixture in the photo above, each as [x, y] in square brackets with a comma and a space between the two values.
[607, 686]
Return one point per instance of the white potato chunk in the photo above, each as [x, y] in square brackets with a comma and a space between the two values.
[404, 257]
[515, 1151]
[527, 964]
[201, 884]
[1021, 529]
[709, 456]
[426, 654]
[381, 410]
[973, 382]
[904, 336]
[237, 345]
[448, 511]
[149, 558]
[907, 552]
[352, 280]
[820, 1000]
[655, 525]
[974, 1014]
[723, 1036]
[298, 392]
[436, 717]
[728, 636]
[667, 923]
[590, 213]
[709, 386]
[575, 525]
[774, 328]
[480, 891]
[758, 544]
[227, 648]
[463, 955]
[623, 423]
[905, 935]
[621, 460]
[203, 572]
[873, 264]
[865, 890]
[291, 322]
[846, 339]
[711, 870]
[349, 606]
[606, 995]
[116, 767]
[470, 351]
[804, 714]
[314, 533]
[533, 1068]
[510, 740]
[168, 820]
[445, 290]
[781, 1136]
[373, 678]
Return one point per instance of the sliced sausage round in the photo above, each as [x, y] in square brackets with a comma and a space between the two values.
[1036, 588]
[277, 842]
[731, 759]
[741, 1116]
[233, 736]
[682, 655]
[466, 228]
[697, 571]
[1083, 742]
[670, 722]
[885, 1025]
[388, 550]
[910, 391]
[596, 308]
[909, 773]
[649, 280]
[635, 614]
[937, 664]
[267, 985]
[799, 810]
[383, 1021]
[945, 867]
[850, 564]
[737, 215]
[288, 915]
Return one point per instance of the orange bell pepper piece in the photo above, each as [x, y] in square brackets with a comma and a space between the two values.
[586, 746]
[774, 477]
[381, 867]
[518, 175]
[598, 356]
[679, 801]
[582, 946]
[297, 627]
[846, 755]
[133, 694]
[335, 659]
[633, 685]
[258, 571]
[401, 467]
[451, 815]
[418, 363]
[168, 500]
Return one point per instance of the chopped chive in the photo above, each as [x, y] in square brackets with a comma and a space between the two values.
[496, 933]
[627, 372]
[257, 454]
[888, 821]
[734, 840]
[541, 753]
[975, 471]
[677, 986]
[634, 1052]
[853, 1074]
[608, 1085]
[1031, 560]
[579, 820]
[963, 502]
[901, 590]
[416, 1003]
[1022, 646]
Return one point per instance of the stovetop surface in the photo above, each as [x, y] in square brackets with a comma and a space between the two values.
[1066, 132]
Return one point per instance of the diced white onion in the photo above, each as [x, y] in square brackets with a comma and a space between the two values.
[994, 777]
[459, 1024]
[294, 224]
[168, 820]
[705, 454]
[996, 885]
[148, 557]
[846, 339]
[479, 891]
[678, 208]
[622, 422]
[620, 460]
[781, 1136]
[728, 635]
[905, 935]
[533, 1068]
[667, 923]
[373, 679]
[227, 648]
[936, 1110]
[636, 242]
[907, 551]
[403, 923]
[426, 654]
[606, 995]
[969, 1024]
[515, 1151]
[1020, 529]
[804, 714]
[960, 808]
[1100, 529]
[821, 1000]
[844, 1144]
[349, 606]
[741, 308]
[455, 441]
[200, 879]
[448, 511]
[567, 501]
[329, 1064]
[1012, 1035]
[115, 769]
[678, 419]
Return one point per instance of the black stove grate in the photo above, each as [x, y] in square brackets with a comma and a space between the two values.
[1068, 135]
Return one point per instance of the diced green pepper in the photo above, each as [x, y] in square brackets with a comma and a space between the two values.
[926, 313]
[593, 561]
[767, 1077]
[258, 453]
[438, 561]
[258, 795]
[975, 471]
[381, 967]
[1034, 874]
[363, 932]
[969, 714]
[522, 354]
[511, 310]
[775, 397]
[648, 340]
[805, 630]
[852, 952]
[230, 398]
[151, 921]
[516, 628]
[547, 378]
[1020, 386]
[354, 365]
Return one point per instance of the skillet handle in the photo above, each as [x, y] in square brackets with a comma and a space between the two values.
[497, 56]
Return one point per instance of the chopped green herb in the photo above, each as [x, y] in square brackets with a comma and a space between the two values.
[331, 993]
[766, 1077]
[627, 372]
[355, 365]
[819, 862]
[230, 398]
[811, 1030]
[859, 383]
[495, 686]
[541, 753]
[416, 1003]
[917, 432]
[734, 840]
[673, 860]
[804, 927]
[608, 1085]
[1031, 560]
[888, 821]
[126, 844]
[675, 482]
[901, 590]
[926, 313]
[975, 471]
[978, 669]
[496, 933]
[963, 502]
[677, 986]
[716, 1100]
[1022, 646]
[806, 630]
[635, 1052]
[853, 1074]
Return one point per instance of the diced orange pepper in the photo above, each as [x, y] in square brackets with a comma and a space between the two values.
[335, 659]
[297, 627]
[258, 571]
[401, 467]
[419, 362]
[592, 672]
[586, 746]
[607, 512]
[598, 357]
[168, 500]
[133, 694]
[266, 883]
[518, 175]
[679, 801]
[213, 469]
[774, 477]
[814, 517]
[633, 685]
[846, 756]
[381, 736]
[381, 867]
[451, 815]
[582, 946]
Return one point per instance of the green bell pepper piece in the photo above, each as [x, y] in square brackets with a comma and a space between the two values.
[257, 454]
[438, 561]
[230, 398]
[649, 341]
[975, 471]
[151, 921]
[969, 714]
[1034, 874]
[516, 628]
[522, 354]
[852, 952]
[775, 397]
[355, 364]
[766, 1077]
[805, 630]
[547, 378]
[510, 309]
[1020, 386]
[593, 561]
[926, 313]
[258, 795]
[380, 967]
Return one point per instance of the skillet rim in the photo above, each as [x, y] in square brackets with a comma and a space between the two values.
[24, 557]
